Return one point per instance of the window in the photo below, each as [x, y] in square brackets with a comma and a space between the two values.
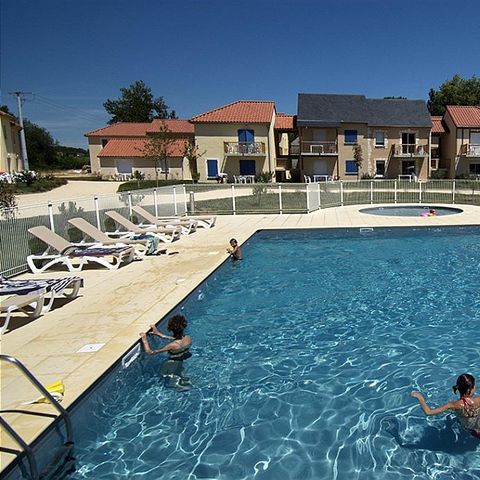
[246, 136]
[380, 139]
[212, 168]
[408, 143]
[351, 167]
[380, 168]
[350, 136]
[104, 142]
[434, 164]
[475, 169]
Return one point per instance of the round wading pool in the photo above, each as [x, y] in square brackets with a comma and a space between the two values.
[412, 211]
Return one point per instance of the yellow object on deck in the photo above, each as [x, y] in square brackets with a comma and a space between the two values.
[55, 389]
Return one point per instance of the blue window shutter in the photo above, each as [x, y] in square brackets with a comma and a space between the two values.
[350, 136]
[351, 167]
[246, 136]
[212, 168]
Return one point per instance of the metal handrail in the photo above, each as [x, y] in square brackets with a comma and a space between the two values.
[26, 448]
[63, 413]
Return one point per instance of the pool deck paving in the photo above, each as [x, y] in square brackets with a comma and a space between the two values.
[114, 306]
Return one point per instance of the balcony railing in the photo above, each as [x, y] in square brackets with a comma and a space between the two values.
[244, 148]
[319, 148]
[410, 150]
[472, 150]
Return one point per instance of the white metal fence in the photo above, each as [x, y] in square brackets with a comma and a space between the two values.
[259, 198]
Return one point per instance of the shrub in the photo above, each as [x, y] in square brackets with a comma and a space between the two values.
[8, 201]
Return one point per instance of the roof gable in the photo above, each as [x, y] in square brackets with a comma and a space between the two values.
[241, 111]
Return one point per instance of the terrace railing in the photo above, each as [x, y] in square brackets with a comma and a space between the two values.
[219, 199]
[244, 148]
[470, 150]
[410, 150]
[318, 148]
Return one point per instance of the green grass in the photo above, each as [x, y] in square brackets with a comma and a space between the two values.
[42, 184]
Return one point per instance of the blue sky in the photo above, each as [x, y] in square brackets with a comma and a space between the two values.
[200, 54]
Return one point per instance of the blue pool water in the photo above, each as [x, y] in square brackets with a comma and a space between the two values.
[304, 357]
[410, 211]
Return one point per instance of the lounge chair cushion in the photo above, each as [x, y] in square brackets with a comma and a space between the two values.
[23, 287]
[76, 251]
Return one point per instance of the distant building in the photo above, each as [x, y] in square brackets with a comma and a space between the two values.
[461, 149]
[10, 158]
[117, 151]
[393, 134]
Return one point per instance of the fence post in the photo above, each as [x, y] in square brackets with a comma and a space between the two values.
[453, 192]
[97, 212]
[371, 193]
[419, 192]
[175, 209]
[233, 200]
[155, 201]
[50, 216]
[308, 198]
[185, 198]
[192, 202]
[280, 199]
[341, 193]
[395, 192]
[130, 204]
[318, 192]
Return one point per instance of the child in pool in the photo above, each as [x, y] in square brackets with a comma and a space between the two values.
[467, 408]
[234, 250]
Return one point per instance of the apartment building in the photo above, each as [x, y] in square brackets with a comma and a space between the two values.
[238, 140]
[118, 150]
[10, 157]
[394, 136]
[461, 149]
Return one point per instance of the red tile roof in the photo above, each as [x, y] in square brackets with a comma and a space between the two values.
[437, 124]
[285, 122]
[464, 116]
[242, 111]
[175, 126]
[121, 129]
[135, 129]
[134, 147]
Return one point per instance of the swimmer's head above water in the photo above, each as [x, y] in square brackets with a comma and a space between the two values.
[177, 324]
[465, 385]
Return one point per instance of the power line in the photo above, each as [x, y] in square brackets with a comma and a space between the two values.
[73, 111]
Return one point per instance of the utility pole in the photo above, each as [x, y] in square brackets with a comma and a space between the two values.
[23, 145]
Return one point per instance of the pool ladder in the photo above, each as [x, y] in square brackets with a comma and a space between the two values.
[64, 453]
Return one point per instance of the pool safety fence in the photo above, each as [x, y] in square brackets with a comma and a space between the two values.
[219, 199]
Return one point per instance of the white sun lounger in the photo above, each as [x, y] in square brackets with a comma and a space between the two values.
[204, 221]
[74, 256]
[187, 225]
[165, 234]
[124, 238]
[35, 297]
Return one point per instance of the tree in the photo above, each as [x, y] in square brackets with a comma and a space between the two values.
[456, 91]
[136, 104]
[192, 154]
[41, 146]
[157, 149]
[358, 158]
[4, 108]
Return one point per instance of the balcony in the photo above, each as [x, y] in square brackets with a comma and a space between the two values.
[319, 148]
[471, 150]
[244, 148]
[409, 150]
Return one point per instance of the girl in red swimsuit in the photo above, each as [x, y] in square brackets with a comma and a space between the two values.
[467, 408]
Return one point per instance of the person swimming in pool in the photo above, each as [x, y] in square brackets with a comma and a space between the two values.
[178, 351]
[467, 408]
[234, 250]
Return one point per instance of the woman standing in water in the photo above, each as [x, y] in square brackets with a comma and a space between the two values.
[177, 349]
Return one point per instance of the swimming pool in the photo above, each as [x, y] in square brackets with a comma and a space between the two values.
[410, 211]
[304, 357]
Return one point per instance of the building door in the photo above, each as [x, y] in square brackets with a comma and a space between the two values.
[475, 144]
[247, 167]
[246, 136]
[380, 168]
[320, 167]
[408, 167]
[212, 168]
[408, 143]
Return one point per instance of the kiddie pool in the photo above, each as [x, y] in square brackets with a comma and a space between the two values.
[411, 211]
